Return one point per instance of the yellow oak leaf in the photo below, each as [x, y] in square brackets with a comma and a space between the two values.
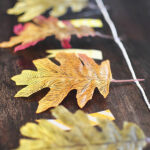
[34, 8]
[31, 33]
[82, 135]
[75, 72]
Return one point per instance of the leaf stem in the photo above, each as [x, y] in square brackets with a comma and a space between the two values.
[148, 140]
[125, 81]
[105, 36]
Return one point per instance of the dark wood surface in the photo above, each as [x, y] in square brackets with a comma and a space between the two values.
[132, 19]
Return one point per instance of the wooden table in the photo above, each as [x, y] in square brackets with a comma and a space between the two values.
[132, 19]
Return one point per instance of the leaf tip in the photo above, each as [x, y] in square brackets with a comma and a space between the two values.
[17, 95]
[13, 78]
[38, 111]
[9, 11]
[81, 105]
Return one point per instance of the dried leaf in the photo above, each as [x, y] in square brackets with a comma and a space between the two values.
[95, 54]
[75, 72]
[31, 33]
[82, 135]
[34, 8]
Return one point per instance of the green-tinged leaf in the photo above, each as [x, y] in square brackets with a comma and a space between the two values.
[33, 8]
[82, 135]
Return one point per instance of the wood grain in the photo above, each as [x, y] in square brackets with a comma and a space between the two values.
[125, 100]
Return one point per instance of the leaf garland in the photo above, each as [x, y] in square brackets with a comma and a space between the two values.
[30, 34]
[33, 8]
[75, 72]
[82, 135]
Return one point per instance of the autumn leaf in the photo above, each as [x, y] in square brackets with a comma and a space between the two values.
[75, 72]
[82, 135]
[33, 8]
[95, 54]
[31, 33]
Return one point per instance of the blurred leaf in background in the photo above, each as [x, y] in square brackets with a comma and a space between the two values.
[33, 8]
[82, 135]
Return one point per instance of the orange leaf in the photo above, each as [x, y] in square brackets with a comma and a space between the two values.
[31, 33]
[75, 72]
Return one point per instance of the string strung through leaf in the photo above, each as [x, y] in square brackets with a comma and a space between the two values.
[130, 80]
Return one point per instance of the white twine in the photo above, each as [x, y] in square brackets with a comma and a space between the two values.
[120, 44]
